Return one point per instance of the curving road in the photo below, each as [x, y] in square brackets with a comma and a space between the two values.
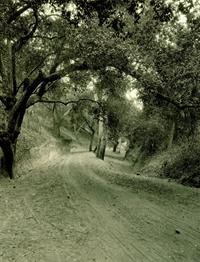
[77, 208]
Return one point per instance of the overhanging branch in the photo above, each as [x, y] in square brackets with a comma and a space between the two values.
[153, 91]
[38, 66]
[24, 39]
[65, 103]
[48, 37]
[178, 105]
[17, 13]
[69, 69]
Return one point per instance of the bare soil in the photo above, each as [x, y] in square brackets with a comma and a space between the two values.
[73, 207]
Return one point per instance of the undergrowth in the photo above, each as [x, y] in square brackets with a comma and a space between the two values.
[180, 163]
[185, 165]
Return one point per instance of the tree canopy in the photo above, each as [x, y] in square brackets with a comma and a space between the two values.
[154, 43]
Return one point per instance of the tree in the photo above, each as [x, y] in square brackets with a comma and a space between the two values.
[111, 88]
[30, 32]
[43, 41]
[18, 88]
[176, 62]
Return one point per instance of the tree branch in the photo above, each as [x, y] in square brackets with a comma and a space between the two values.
[34, 69]
[88, 124]
[173, 102]
[31, 72]
[48, 37]
[3, 71]
[24, 39]
[17, 13]
[65, 103]
[22, 102]
[14, 78]
[157, 94]
[166, 98]
[69, 69]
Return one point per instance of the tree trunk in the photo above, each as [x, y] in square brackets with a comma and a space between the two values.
[115, 146]
[8, 157]
[8, 141]
[56, 122]
[101, 146]
[91, 141]
[120, 145]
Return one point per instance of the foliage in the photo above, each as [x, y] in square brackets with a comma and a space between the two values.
[149, 135]
[184, 166]
[44, 41]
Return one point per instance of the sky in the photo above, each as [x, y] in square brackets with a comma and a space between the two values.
[133, 96]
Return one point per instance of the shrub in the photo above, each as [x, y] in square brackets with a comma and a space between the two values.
[185, 166]
[150, 136]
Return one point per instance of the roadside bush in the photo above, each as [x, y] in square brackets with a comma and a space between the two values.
[185, 166]
[150, 136]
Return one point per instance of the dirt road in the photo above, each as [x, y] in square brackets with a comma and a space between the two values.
[77, 208]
